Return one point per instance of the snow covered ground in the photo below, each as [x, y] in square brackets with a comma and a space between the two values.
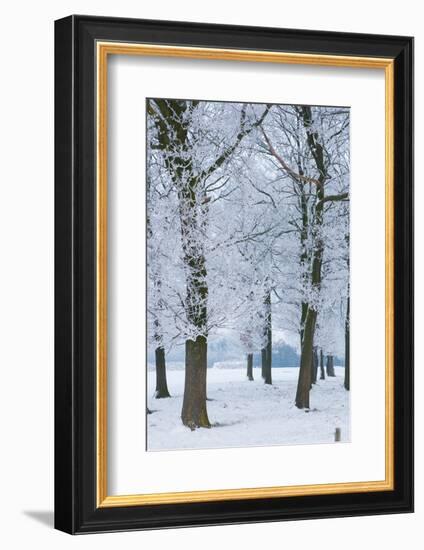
[245, 414]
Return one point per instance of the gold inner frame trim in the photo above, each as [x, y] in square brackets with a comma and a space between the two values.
[103, 50]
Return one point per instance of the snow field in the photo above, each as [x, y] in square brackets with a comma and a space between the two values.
[245, 414]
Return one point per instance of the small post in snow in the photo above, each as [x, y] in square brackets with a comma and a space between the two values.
[337, 435]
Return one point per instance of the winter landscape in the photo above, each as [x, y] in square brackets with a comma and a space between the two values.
[248, 274]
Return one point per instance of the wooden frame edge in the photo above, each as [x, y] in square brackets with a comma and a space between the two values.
[103, 49]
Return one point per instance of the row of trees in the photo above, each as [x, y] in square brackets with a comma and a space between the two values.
[248, 230]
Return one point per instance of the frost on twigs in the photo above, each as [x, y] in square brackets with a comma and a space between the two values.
[247, 237]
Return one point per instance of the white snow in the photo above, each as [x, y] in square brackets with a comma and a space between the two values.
[245, 414]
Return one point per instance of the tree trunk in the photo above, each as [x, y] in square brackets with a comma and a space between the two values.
[193, 217]
[347, 348]
[194, 413]
[161, 384]
[250, 366]
[304, 381]
[321, 365]
[263, 362]
[268, 364]
[306, 353]
[306, 357]
[304, 255]
[314, 365]
[304, 311]
[267, 356]
[330, 366]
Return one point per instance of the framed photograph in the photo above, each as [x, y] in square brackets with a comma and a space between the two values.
[234, 268]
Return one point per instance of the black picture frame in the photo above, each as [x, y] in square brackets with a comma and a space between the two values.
[76, 510]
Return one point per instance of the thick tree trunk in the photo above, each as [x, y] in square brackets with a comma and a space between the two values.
[330, 366]
[304, 381]
[194, 413]
[268, 364]
[321, 365]
[267, 355]
[304, 255]
[304, 311]
[263, 362]
[266, 361]
[161, 384]
[306, 356]
[347, 348]
[250, 366]
[314, 365]
[193, 216]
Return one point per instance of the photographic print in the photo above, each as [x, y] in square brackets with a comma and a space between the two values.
[248, 274]
[216, 274]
